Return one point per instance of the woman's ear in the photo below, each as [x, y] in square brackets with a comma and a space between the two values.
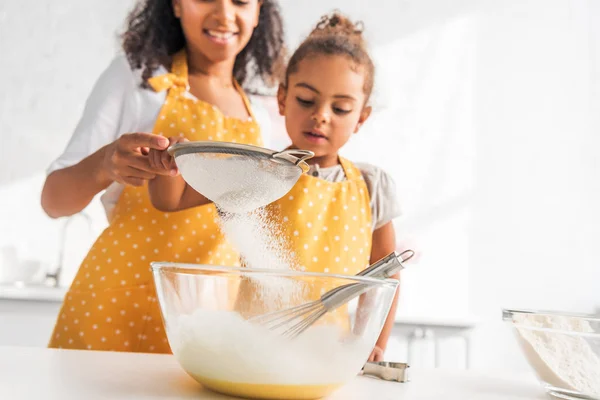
[364, 116]
[176, 8]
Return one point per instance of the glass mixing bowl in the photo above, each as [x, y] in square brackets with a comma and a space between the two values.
[210, 314]
[562, 348]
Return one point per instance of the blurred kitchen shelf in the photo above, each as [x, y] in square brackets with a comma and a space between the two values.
[32, 292]
[462, 321]
[435, 329]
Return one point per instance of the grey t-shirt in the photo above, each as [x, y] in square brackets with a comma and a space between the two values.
[382, 189]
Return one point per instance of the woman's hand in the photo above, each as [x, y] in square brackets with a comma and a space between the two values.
[126, 160]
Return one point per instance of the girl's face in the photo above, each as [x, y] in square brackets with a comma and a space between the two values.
[324, 104]
[218, 29]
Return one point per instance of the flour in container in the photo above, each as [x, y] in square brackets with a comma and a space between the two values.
[560, 359]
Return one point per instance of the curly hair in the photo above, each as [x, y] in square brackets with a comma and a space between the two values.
[335, 34]
[154, 34]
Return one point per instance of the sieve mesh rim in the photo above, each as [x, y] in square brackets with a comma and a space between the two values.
[216, 147]
[219, 147]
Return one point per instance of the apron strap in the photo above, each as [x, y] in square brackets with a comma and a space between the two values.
[351, 171]
[245, 99]
[176, 79]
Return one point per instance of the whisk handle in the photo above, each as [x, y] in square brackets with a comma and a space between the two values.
[388, 265]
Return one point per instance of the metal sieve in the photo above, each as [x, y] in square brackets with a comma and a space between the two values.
[239, 177]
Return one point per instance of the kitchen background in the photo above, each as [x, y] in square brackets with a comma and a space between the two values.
[487, 114]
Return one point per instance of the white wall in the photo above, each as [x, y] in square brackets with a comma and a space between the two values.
[52, 53]
[534, 230]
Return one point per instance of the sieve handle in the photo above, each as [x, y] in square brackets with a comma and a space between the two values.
[301, 155]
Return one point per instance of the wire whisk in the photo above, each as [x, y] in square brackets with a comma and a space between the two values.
[295, 320]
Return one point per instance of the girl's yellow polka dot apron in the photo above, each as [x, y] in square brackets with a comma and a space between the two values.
[112, 303]
[329, 228]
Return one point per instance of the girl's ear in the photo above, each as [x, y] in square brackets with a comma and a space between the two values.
[281, 95]
[364, 116]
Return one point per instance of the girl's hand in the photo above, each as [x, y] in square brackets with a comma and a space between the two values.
[168, 191]
[125, 160]
[376, 354]
[162, 160]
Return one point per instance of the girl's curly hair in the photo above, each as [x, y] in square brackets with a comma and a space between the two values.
[154, 34]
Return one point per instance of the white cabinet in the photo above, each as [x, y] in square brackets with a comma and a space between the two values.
[433, 342]
[27, 317]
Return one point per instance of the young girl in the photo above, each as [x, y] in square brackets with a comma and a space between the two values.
[339, 215]
[185, 63]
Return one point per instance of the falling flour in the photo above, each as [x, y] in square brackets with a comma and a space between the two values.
[258, 240]
[567, 361]
[240, 186]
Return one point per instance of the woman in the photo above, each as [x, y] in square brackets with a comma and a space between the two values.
[186, 62]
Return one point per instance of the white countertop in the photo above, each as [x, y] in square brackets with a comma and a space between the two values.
[32, 292]
[37, 373]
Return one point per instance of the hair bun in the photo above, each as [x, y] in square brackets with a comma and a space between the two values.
[337, 24]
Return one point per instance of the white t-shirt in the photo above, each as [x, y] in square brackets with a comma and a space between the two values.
[119, 105]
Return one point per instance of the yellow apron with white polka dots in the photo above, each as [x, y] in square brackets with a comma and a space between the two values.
[328, 225]
[112, 303]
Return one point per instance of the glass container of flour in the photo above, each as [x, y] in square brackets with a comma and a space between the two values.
[239, 178]
[562, 348]
[209, 317]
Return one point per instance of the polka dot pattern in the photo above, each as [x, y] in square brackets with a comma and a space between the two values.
[112, 302]
[328, 225]
[328, 222]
